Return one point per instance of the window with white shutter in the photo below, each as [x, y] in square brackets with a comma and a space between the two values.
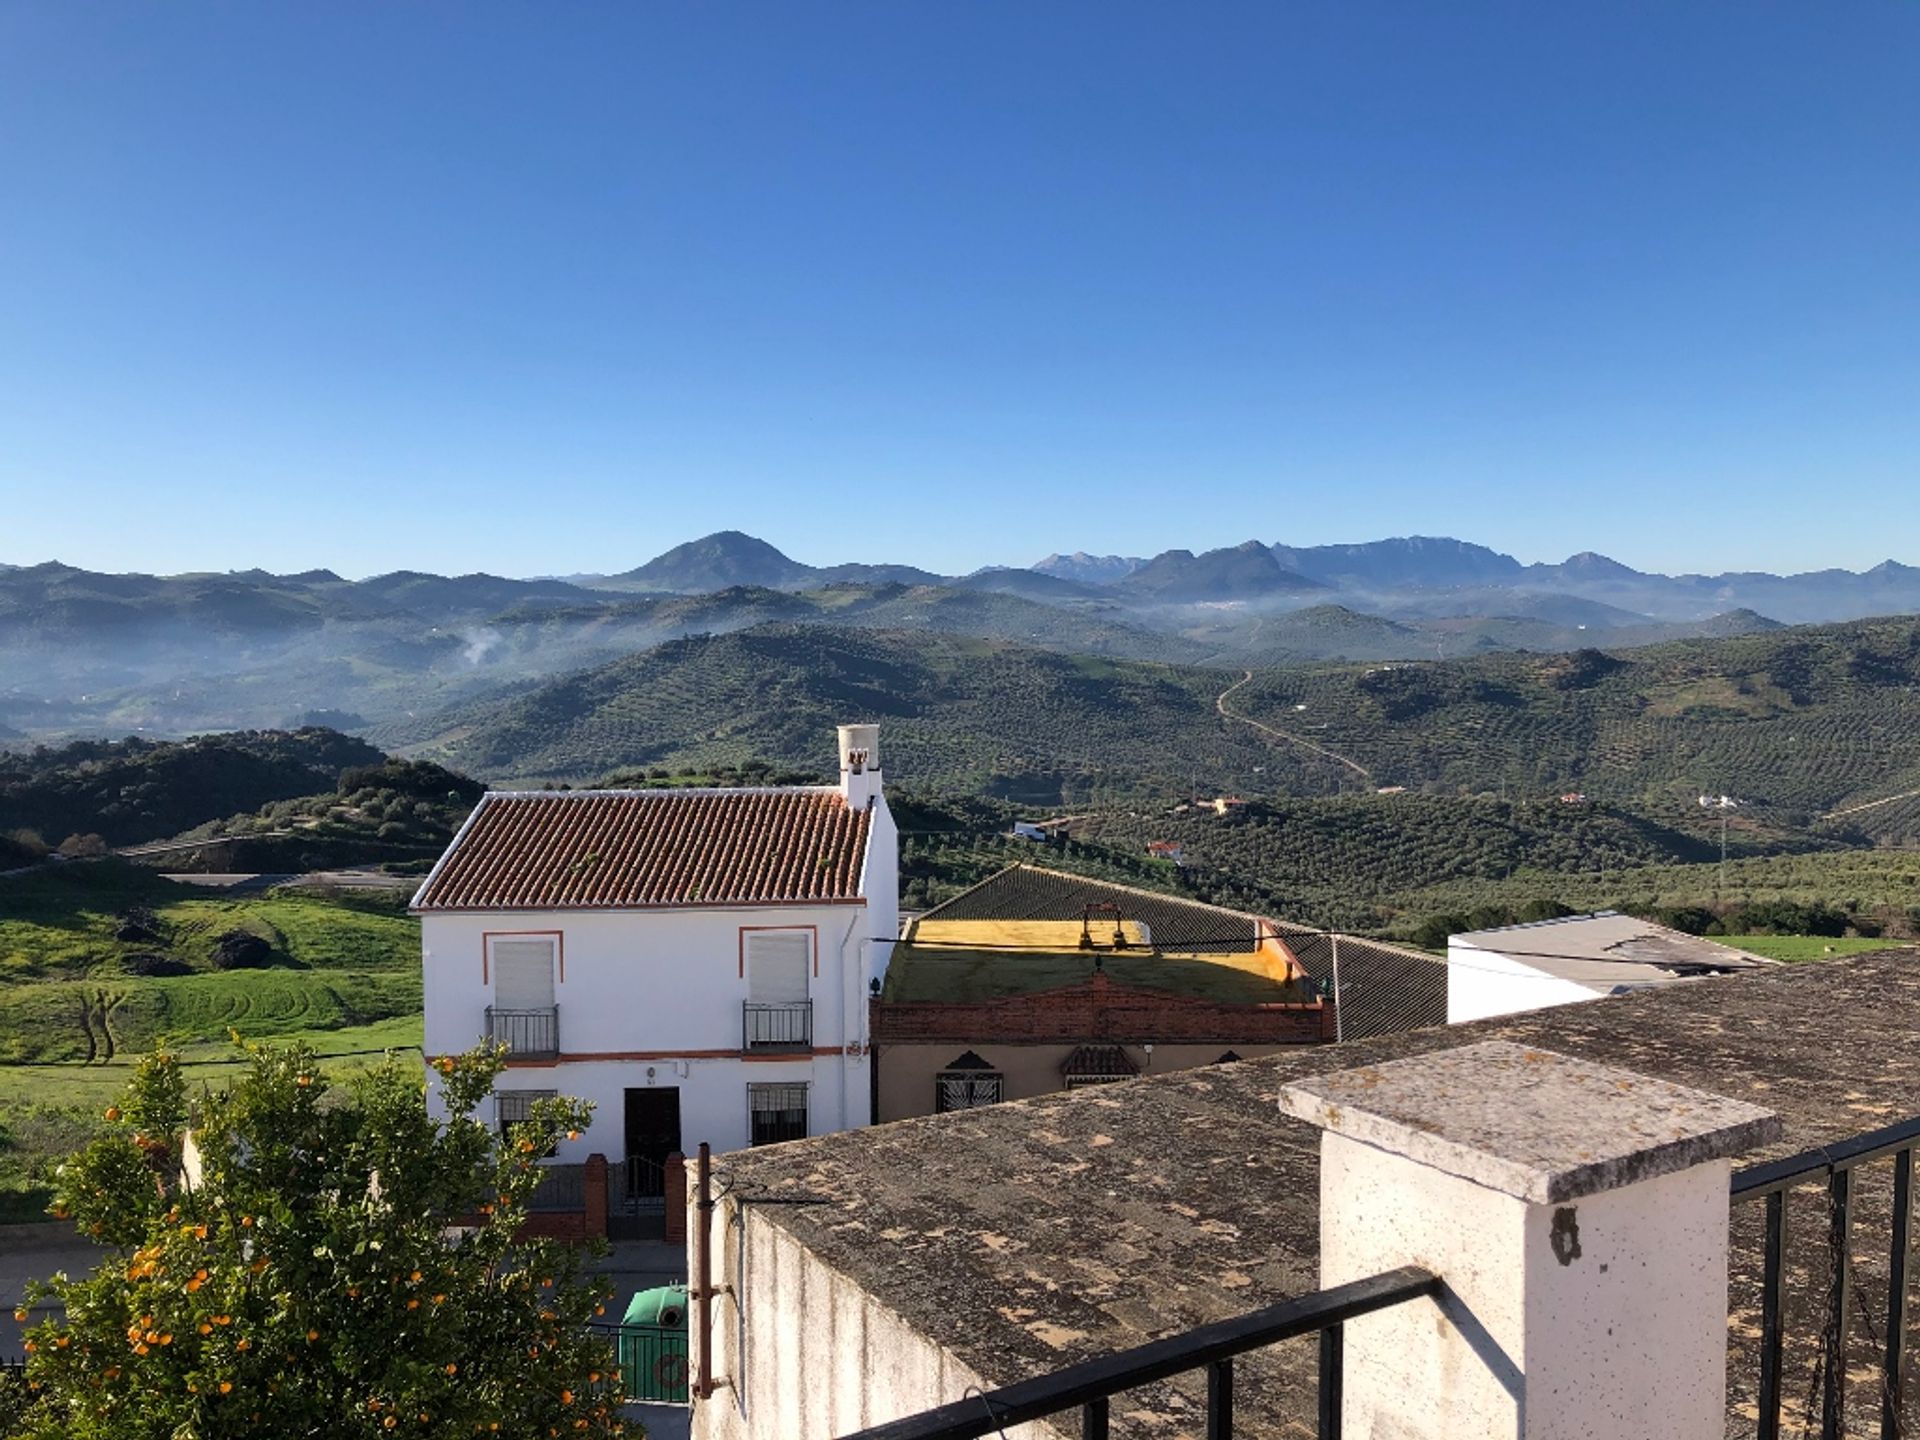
[523, 972]
[523, 1016]
[778, 1014]
[779, 963]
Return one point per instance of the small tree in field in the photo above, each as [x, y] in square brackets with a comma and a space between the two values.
[320, 1265]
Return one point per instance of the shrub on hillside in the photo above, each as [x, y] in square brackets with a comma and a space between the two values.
[154, 966]
[241, 950]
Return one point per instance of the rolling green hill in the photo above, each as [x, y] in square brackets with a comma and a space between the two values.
[1799, 725]
[134, 790]
[398, 813]
[1796, 724]
[963, 714]
[102, 961]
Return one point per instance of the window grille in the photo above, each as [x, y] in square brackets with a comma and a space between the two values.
[965, 1090]
[510, 1107]
[776, 1113]
[966, 1084]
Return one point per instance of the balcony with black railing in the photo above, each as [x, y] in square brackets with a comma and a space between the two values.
[527, 1034]
[775, 1026]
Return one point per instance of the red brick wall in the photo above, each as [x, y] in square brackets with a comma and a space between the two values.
[1099, 1010]
[570, 1226]
[676, 1188]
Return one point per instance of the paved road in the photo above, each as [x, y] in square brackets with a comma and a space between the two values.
[328, 879]
[36, 1252]
[1220, 704]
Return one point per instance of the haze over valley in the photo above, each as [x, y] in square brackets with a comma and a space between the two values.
[84, 653]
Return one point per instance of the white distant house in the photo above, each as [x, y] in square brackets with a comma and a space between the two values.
[695, 962]
[1581, 957]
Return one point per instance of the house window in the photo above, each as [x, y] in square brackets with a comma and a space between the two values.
[776, 1113]
[779, 1013]
[510, 1107]
[1097, 1065]
[966, 1084]
[523, 1016]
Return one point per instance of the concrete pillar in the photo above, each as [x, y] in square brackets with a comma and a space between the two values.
[595, 1179]
[675, 1189]
[1577, 1215]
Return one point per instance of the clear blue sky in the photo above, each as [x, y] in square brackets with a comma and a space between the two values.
[546, 287]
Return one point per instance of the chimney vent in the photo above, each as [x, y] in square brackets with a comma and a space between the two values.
[860, 776]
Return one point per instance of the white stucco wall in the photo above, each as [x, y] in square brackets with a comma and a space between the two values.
[1485, 983]
[817, 1356]
[654, 998]
[880, 884]
[1613, 1329]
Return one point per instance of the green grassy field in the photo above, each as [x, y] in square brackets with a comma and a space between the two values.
[341, 974]
[1804, 947]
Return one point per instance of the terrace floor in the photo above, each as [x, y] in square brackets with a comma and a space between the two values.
[1027, 1235]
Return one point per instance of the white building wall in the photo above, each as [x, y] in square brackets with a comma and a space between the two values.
[880, 883]
[653, 998]
[1485, 983]
[816, 1357]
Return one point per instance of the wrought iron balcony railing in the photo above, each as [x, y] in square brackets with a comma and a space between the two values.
[785, 1025]
[527, 1034]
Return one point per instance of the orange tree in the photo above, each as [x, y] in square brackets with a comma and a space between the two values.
[293, 1262]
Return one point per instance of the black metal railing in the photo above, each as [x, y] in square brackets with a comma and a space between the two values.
[652, 1364]
[528, 1034]
[1835, 1165]
[562, 1190]
[786, 1025]
[642, 1184]
[1091, 1385]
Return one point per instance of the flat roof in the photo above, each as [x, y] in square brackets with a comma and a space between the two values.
[1607, 950]
[1379, 988]
[1024, 1236]
[960, 961]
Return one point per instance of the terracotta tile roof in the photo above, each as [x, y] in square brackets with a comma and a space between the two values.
[639, 849]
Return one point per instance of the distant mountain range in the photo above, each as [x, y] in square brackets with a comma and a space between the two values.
[1412, 577]
[85, 653]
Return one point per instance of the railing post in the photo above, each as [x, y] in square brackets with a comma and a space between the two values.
[1772, 1321]
[1893, 1395]
[1577, 1218]
[1833, 1378]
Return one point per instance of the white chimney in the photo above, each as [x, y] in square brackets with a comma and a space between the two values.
[859, 764]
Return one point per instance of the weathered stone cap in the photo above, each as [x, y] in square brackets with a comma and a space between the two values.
[1529, 1123]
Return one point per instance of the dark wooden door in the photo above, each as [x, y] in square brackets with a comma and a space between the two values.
[653, 1123]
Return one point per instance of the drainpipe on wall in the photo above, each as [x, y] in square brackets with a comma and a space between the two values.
[703, 1271]
[849, 1025]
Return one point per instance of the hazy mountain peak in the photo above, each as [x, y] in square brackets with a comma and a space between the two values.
[1436, 561]
[1592, 564]
[1242, 572]
[718, 561]
[1089, 569]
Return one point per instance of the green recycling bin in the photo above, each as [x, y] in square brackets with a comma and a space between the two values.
[653, 1345]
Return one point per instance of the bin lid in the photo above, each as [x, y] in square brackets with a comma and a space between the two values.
[664, 1307]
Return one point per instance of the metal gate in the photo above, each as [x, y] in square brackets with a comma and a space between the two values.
[636, 1199]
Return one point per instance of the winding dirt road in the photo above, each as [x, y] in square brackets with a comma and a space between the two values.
[1220, 704]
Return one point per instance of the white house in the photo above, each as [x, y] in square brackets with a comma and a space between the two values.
[695, 962]
[1581, 957]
